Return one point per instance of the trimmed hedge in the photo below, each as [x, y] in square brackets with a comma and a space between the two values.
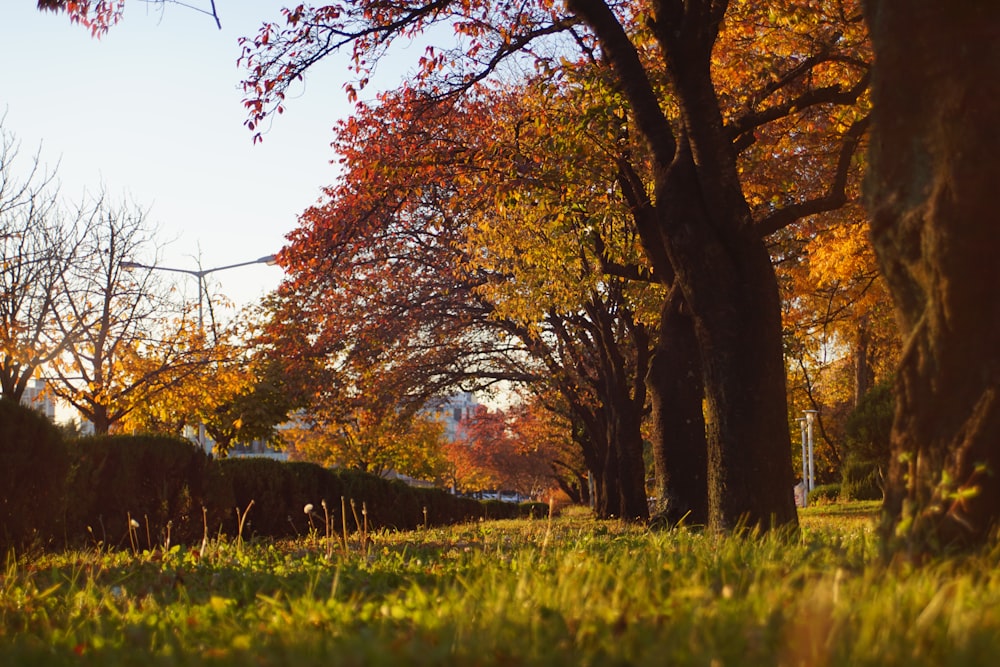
[88, 490]
[32, 477]
[85, 491]
[234, 483]
[281, 491]
[155, 480]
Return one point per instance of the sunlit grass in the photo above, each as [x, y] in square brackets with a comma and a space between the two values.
[527, 592]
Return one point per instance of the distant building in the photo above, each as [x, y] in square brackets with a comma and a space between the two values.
[257, 448]
[451, 411]
[237, 450]
[35, 396]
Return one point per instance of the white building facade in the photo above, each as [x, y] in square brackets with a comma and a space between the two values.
[37, 398]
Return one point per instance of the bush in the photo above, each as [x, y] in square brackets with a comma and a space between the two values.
[861, 480]
[32, 477]
[824, 493]
[234, 483]
[869, 426]
[867, 445]
[280, 492]
[163, 482]
[158, 481]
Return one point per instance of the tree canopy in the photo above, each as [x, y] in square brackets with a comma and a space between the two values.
[702, 110]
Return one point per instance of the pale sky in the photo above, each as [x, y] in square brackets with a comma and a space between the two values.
[153, 111]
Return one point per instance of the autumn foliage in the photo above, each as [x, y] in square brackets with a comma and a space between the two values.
[95, 15]
[554, 210]
[647, 209]
[517, 449]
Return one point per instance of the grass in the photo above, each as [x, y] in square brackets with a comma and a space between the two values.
[529, 592]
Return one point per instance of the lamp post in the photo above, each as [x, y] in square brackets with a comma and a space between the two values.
[805, 462]
[810, 419]
[200, 275]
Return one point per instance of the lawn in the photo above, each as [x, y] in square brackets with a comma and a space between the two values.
[530, 592]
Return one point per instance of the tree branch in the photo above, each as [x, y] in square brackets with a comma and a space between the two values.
[836, 195]
[741, 130]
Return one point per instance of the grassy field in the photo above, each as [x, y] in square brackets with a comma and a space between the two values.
[531, 592]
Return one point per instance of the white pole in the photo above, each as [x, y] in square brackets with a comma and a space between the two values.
[201, 332]
[810, 418]
[805, 463]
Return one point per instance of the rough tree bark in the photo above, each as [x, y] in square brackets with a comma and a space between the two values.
[934, 172]
[719, 260]
[680, 454]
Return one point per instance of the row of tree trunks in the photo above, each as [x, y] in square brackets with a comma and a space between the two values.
[719, 261]
[612, 422]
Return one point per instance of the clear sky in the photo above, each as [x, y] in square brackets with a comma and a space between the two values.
[153, 111]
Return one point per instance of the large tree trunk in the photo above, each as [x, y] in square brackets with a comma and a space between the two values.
[728, 282]
[680, 454]
[606, 501]
[613, 453]
[626, 435]
[934, 173]
[718, 258]
[750, 475]
[724, 271]
[590, 433]
[616, 464]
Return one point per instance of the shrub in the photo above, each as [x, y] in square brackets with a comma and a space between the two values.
[824, 493]
[866, 445]
[861, 480]
[311, 484]
[158, 481]
[869, 425]
[234, 483]
[280, 491]
[32, 476]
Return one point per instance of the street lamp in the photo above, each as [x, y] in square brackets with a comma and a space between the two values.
[805, 462]
[200, 275]
[810, 419]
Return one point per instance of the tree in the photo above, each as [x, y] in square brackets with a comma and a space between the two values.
[38, 244]
[493, 454]
[228, 384]
[701, 228]
[550, 241]
[117, 360]
[483, 456]
[99, 15]
[841, 335]
[400, 276]
[598, 360]
[542, 426]
[370, 441]
[95, 15]
[702, 220]
[932, 182]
